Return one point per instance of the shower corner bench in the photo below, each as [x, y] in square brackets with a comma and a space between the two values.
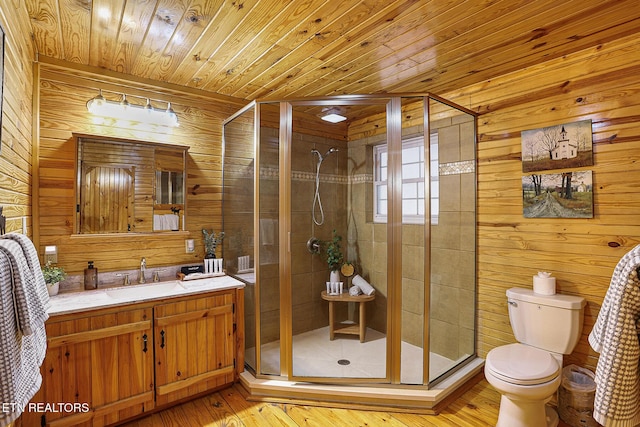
[359, 328]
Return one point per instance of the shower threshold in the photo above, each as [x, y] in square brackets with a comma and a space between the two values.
[369, 396]
[348, 358]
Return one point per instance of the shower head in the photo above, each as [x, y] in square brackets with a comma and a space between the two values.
[320, 156]
[331, 150]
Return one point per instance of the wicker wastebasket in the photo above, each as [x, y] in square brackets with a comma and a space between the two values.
[575, 397]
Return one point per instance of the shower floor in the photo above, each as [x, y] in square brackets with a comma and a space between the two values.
[314, 355]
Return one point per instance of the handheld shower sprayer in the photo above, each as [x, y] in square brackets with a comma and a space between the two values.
[316, 198]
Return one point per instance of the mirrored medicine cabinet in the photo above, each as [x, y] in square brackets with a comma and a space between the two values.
[126, 186]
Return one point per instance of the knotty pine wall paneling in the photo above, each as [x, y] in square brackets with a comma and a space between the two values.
[601, 84]
[63, 94]
[16, 147]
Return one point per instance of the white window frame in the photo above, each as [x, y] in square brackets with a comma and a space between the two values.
[380, 182]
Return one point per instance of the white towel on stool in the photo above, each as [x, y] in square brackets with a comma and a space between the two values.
[366, 288]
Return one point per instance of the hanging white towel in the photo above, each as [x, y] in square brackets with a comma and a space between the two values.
[157, 222]
[614, 336]
[268, 228]
[171, 222]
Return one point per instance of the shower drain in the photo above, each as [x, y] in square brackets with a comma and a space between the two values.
[343, 362]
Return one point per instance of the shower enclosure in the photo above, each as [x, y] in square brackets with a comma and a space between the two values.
[395, 181]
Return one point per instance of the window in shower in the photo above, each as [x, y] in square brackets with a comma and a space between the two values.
[412, 181]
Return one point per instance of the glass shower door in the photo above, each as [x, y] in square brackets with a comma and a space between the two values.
[269, 289]
[238, 215]
[453, 242]
[394, 187]
[331, 202]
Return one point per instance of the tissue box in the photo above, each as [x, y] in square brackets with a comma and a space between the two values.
[192, 269]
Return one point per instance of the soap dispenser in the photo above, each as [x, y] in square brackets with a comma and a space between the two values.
[90, 277]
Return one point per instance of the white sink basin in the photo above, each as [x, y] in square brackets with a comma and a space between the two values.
[207, 282]
[144, 291]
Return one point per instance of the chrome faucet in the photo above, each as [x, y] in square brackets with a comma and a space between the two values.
[143, 265]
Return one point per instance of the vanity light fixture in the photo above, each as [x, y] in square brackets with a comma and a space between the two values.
[333, 118]
[124, 110]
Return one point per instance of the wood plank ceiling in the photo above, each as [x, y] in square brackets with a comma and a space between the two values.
[275, 49]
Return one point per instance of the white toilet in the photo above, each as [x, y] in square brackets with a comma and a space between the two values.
[527, 374]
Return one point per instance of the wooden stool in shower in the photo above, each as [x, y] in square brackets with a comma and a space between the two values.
[359, 328]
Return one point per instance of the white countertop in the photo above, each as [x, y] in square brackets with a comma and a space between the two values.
[71, 302]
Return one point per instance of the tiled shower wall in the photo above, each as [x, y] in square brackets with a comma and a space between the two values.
[452, 243]
[346, 191]
[309, 272]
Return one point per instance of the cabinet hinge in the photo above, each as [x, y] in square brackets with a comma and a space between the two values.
[43, 418]
[234, 365]
[233, 308]
[234, 327]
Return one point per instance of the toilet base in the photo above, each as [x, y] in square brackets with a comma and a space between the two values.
[524, 413]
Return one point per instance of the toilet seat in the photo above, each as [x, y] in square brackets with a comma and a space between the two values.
[522, 365]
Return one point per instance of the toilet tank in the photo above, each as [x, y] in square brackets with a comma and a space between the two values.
[548, 322]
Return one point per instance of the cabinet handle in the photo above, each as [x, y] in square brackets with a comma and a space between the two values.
[162, 338]
[144, 340]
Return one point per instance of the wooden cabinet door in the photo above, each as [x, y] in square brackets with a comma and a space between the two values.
[103, 364]
[194, 346]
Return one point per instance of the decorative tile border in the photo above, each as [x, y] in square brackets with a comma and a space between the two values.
[453, 168]
[361, 178]
[457, 168]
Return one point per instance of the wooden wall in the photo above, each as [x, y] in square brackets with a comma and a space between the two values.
[15, 150]
[62, 95]
[601, 84]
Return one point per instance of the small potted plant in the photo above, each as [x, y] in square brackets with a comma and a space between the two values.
[211, 241]
[335, 258]
[52, 277]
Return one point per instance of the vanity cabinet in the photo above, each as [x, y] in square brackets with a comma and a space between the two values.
[112, 364]
[98, 369]
[194, 346]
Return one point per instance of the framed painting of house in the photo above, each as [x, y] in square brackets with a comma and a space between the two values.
[566, 194]
[567, 145]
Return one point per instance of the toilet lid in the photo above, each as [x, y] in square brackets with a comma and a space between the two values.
[521, 364]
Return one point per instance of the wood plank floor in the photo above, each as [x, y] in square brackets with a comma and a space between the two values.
[478, 407]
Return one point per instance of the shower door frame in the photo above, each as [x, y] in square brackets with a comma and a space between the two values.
[286, 133]
[393, 228]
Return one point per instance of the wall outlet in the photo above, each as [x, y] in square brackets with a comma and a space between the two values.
[189, 246]
[51, 254]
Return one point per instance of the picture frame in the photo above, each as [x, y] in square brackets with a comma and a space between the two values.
[566, 194]
[562, 146]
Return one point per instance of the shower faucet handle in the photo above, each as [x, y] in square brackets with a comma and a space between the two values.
[313, 245]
